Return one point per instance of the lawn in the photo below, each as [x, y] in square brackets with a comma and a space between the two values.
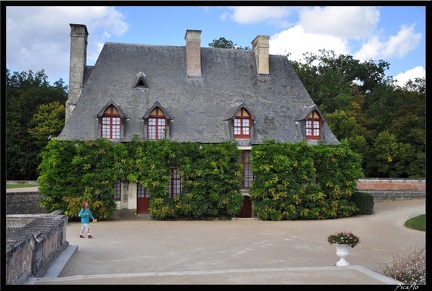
[10, 186]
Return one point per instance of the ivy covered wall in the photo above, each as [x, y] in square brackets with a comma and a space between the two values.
[292, 181]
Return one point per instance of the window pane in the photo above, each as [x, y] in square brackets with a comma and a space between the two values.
[152, 132]
[174, 187]
[141, 192]
[115, 132]
[105, 131]
[247, 169]
[117, 190]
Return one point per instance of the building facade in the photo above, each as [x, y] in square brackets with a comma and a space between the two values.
[187, 93]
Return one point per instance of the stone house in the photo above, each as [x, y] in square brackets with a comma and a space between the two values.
[187, 93]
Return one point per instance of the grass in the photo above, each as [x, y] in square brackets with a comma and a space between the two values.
[10, 186]
[417, 223]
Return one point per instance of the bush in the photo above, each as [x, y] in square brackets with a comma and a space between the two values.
[364, 203]
[409, 269]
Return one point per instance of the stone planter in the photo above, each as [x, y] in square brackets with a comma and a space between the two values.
[342, 251]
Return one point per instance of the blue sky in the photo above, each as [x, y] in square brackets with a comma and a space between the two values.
[38, 37]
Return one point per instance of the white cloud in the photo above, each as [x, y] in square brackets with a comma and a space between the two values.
[39, 36]
[401, 44]
[344, 30]
[370, 50]
[329, 28]
[296, 42]
[417, 72]
[346, 22]
[255, 14]
[397, 46]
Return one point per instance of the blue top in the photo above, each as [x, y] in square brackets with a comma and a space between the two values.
[85, 215]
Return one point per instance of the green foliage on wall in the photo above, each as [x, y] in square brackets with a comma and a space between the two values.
[74, 171]
[292, 181]
[298, 181]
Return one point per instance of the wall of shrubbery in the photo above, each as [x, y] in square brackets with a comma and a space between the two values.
[292, 181]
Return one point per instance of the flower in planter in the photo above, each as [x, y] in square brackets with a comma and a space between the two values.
[344, 238]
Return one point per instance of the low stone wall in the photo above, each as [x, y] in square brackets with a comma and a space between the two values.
[395, 195]
[393, 189]
[24, 203]
[33, 242]
[391, 185]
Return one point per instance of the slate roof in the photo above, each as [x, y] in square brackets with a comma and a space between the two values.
[199, 108]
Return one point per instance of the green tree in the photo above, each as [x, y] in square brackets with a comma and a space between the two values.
[384, 155]
[329, 78]
[222, 42]
[25, 92]
[48, 122]
[360, 103]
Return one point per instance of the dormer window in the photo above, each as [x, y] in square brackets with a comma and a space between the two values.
[157, 125]
[242, 124]
[313, 126]
[111, 123]
[140, 81]
[156, 122]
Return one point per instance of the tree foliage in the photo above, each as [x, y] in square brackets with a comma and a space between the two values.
[28, 119]
[364, 106]
[222, 42]
[47, 122]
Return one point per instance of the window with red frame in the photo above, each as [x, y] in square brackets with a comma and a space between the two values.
[174, 187]
[156, 125]
[247, 169]
[111, 123]
[313, 126]
[242, 124]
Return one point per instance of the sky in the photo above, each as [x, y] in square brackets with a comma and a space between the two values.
[38, 37]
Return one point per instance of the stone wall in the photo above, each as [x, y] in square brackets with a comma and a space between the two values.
[24, 203]
[393, 189]
[391, 185]
[33, 242]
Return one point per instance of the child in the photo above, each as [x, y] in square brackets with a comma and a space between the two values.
[85, 215]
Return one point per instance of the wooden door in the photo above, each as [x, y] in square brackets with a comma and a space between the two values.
[143, 200]
[246, 211]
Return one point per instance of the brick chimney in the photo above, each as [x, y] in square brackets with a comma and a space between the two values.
[78, 58]
[193, 53]
[260, 46]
